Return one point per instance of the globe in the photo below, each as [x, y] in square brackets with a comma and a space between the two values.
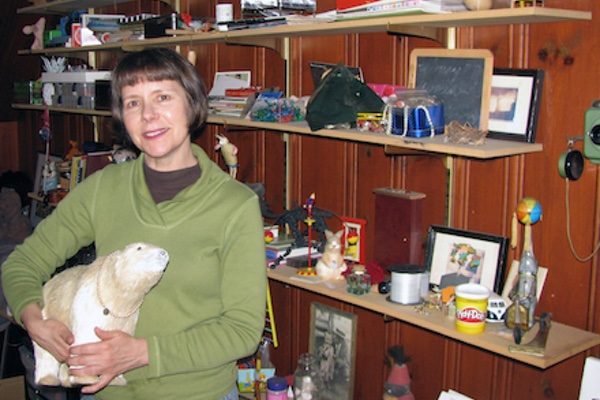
[529, 211]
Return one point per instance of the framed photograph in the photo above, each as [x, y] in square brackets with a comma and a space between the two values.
[354, 239]
[333, 341]
[456, 256]
[515, 104]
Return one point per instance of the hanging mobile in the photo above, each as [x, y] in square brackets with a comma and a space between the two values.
[49, 175]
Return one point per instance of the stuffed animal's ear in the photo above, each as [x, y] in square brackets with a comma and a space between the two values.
[338, 234]
[328, 234]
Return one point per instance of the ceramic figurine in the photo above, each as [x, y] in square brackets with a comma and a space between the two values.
[37, 30]
[331, 265]
[397, 385]
[229, 152]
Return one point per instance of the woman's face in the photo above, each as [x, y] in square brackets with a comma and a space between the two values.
[155, 114]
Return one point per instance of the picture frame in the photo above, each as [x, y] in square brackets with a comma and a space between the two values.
[512, 280]
[353, 239]
[460, 79]
[333, 341]
[455, 256]
[515, 104]
[39, 210]
[318, 71]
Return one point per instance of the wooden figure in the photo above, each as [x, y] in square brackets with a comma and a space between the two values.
[37, 30]
[229, 152]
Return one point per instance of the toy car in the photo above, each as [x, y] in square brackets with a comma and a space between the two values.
[496, 310]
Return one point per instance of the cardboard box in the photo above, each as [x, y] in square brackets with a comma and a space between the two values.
[247, 376]
[75, 77]
[12, 388]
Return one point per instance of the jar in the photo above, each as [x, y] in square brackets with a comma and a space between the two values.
[478, 4]
[307, 381]
[358, 282]
[277, 388]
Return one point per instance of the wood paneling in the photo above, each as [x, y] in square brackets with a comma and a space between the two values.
[482, 195]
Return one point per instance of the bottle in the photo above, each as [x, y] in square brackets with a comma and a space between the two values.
[277, 388]
[307, 381]
[527, 285]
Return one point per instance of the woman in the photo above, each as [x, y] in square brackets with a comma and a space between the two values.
[208, 309]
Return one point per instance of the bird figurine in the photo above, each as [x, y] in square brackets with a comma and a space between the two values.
[229, 152]
[397, 385]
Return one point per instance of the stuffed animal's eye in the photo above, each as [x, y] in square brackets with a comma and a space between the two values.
[139, 248]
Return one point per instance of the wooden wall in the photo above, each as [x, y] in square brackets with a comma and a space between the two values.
[482, 194]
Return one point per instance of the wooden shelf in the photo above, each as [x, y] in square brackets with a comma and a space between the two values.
[80, 111]
[491, 149]
[66, 6]
[424, 25]
[563, 341]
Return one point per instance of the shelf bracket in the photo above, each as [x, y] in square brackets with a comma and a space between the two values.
[392, 150]
[268, 42]
[428, 32]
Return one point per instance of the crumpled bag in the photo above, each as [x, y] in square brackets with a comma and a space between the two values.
[338, 98]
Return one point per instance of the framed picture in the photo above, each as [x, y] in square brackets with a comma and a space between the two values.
[354, 239]
[456, 256]
[333, 341]
[515, 104]
[512, 280]
[40, 210]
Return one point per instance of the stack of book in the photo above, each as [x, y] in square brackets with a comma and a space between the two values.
[399, 7]
[235, 102]
[283, 251]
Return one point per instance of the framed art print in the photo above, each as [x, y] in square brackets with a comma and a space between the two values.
[515, 104]
[354, 239]
[457, 256]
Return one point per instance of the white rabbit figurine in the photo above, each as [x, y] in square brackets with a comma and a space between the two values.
[331, 265]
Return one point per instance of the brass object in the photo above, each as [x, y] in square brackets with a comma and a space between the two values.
[537, 345]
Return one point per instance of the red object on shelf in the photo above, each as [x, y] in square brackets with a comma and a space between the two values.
[344, 4]
[241, 92]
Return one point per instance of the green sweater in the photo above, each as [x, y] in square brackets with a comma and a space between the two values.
[208, 309]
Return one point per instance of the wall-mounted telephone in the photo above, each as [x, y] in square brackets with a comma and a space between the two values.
[591, 138]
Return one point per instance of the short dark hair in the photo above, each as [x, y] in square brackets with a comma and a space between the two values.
[158, 64]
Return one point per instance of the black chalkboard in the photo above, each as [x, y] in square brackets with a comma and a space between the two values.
[460, 79]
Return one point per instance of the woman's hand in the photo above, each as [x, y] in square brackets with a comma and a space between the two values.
[116, 353]
[52, 335]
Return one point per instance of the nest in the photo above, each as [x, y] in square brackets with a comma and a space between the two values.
[458, 133]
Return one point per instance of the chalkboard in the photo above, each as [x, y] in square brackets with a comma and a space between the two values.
[460, 79]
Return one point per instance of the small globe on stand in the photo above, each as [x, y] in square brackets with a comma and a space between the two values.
[529, 211]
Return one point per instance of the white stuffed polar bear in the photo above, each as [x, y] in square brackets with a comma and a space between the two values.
[106, 294]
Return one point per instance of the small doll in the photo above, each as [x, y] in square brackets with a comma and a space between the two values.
[331, 265]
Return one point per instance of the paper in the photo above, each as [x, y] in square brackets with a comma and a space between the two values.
[229, 80]
[452, 395]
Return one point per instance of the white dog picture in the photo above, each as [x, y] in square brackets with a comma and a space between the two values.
[106, 294]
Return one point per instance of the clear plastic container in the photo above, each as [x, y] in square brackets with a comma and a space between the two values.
[307, 381]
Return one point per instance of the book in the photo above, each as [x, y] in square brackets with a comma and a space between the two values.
[273, 253]
[77, 171]
[249, 23]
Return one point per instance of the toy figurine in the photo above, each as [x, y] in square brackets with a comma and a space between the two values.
[308, 206]
[520, 314]
[331, 265]
[37, 30]
[397, 385]
[229, 152]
